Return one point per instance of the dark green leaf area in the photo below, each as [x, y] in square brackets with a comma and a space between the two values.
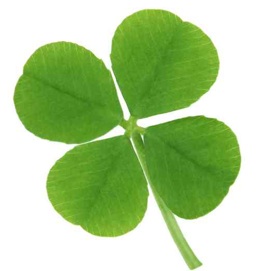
[66, 94]
[192, 163]
[100, 186]
[162, 63]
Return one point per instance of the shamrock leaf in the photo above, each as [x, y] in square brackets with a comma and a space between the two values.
[67, 94]
[199, 160]
[100, 186]
[161, 64]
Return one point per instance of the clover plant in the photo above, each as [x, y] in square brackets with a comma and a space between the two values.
[161, 64]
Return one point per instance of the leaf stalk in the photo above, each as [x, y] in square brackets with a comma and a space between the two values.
[176, 233]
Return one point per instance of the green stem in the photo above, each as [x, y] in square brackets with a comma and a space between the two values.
[187, 253]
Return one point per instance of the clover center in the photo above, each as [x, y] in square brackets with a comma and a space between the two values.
[131, 126]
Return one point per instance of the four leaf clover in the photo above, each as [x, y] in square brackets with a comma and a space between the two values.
[161, 64]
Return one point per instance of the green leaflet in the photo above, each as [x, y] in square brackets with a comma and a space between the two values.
[100, 186]
[162, 63]
[192, 163]
[67, 94]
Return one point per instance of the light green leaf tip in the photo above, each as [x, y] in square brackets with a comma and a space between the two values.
[100, 186]
[66, 94]
[162, 63]
[192, 163]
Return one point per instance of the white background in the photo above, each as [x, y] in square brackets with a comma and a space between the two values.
[34, 237]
